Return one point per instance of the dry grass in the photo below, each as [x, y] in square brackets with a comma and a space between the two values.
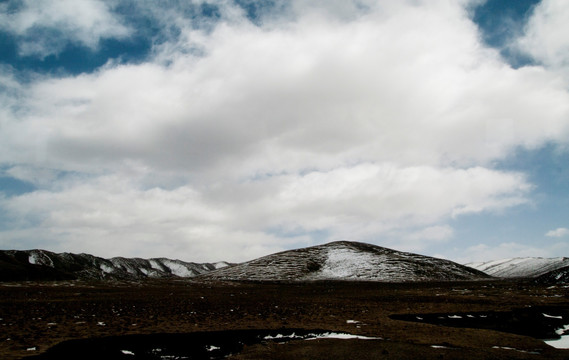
[39, 315]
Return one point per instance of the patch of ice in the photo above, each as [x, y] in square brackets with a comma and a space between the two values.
[126, 352]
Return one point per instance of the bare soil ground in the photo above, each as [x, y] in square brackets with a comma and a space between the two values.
[36, 316]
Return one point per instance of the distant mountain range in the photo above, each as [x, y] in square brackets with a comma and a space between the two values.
[344, 260]
[22, 265]
[341, 260]
[529, 267]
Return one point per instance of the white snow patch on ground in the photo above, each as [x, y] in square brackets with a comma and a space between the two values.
[326, 335]
[563, 342]
[212, 348]
[344, 336]
[126, 352]
[514, 349]
[281, 336]
[454, 317]
[552, 317]
[352, 322]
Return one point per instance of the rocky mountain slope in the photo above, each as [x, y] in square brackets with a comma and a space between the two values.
[529, 267]
[346, 260]
[556, 277]
[46, 265]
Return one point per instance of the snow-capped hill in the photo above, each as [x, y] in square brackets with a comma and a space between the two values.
[45, 265]
[520, 267]
[344, 260]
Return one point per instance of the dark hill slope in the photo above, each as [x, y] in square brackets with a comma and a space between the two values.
[554, 277]
[344, 260]
[23, 265]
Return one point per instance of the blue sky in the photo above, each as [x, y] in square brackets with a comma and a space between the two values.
[226, 130]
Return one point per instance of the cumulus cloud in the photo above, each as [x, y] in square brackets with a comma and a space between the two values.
[544, 38]
[559, 232]
[45, 27]
[289, 98]
[383, 120]
[251, 218]
[110, 216]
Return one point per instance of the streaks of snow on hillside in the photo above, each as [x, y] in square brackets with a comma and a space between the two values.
[345, 260]
[520, 267]
[348, 263]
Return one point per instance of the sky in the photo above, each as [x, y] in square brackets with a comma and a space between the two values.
[209, 130]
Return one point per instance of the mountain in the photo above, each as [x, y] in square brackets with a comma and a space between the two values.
[45, 265]
[555, 277]
[344, 260]
[529, 267]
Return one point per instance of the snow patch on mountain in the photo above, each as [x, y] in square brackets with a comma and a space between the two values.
[344, 260]
[182, 270]
[520, 267]
[45, 265]
[38, 257]
[348, 263]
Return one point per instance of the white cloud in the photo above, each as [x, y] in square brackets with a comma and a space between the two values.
[544, 38]
[507, 250]
[559, 232]
[45, 26]
[435, 233]
[360, 203]
[290, 98]
[381, 122]
[109, 216]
